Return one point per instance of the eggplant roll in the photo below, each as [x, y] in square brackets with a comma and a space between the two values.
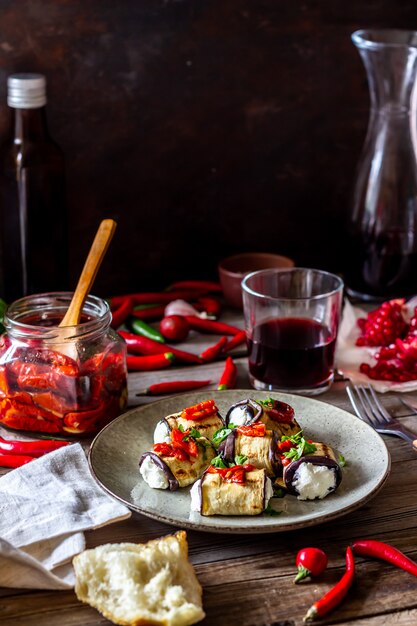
[244, 413]
[211, 495]
[248, 411]
[314, 475]
[168, 472]
[282, 429]
[262, 452]
[206, 427]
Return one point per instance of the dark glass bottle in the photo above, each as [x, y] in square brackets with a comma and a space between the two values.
[33, 246]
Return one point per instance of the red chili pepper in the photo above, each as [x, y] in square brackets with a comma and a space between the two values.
[173, 386]
[256, 430]
[380, 550]
[310, 562]
[143, 345]
[196, 284]
[150, 362]
[14, 460]
[333, 597]
[31, 448]
[149, 313]
[164, 297]
[229, 376]
[213, 351]
[211, 326]
[120, 308]
[235, 341]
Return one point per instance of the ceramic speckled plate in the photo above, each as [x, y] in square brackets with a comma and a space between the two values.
[115, 452]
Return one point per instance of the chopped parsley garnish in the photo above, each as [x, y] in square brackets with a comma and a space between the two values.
[269, 402]
[181, 428]
[300, 447]
[220, 435]
[218, 462]
[279, 492]
[342, 460]
[194, 433]
[272, 512]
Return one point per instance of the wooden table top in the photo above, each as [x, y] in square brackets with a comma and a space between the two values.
[247, 579]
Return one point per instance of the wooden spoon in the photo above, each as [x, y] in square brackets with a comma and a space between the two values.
[95, 256]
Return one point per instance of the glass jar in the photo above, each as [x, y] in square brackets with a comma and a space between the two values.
[69, 380]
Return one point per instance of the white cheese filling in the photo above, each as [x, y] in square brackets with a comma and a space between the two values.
[153, 475]
[269, 492]
[195, 496]
[239, 416]
[314, 481]
[162, 433]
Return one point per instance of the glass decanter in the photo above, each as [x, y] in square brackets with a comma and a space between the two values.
[383, 222]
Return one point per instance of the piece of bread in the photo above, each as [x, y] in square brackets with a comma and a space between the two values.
[139, 584]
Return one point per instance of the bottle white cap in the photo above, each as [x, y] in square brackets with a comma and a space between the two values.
[26, 91]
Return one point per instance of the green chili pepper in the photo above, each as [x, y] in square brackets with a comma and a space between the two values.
[142, 328]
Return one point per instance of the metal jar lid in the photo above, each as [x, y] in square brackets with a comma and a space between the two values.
[26, 91]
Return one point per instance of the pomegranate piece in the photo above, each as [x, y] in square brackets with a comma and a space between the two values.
[385, 325]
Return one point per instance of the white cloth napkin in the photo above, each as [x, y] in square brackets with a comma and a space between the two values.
[44, 508]
[349, 356]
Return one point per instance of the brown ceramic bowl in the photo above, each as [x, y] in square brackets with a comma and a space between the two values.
[233, 269]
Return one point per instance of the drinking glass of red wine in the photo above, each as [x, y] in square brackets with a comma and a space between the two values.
[292, 317]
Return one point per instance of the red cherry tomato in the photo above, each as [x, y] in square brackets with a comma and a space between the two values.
[310, 562]
[174, 327]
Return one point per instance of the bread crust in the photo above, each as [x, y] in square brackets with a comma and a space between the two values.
[92, 566]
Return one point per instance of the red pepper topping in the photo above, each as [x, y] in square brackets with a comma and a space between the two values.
[229, 376]
[310, 562]
[234, 474]
[255, 430]
[278, 411]
[213, 351]
[200, 411]
[286, 445]
[334, 597]
[182, 446]
[380, 550]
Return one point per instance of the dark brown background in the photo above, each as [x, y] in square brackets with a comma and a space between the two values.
[205, 127]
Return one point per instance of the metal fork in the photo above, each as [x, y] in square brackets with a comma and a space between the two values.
[368, 407]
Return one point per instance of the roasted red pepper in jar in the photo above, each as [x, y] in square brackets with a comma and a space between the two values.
[51, 385]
